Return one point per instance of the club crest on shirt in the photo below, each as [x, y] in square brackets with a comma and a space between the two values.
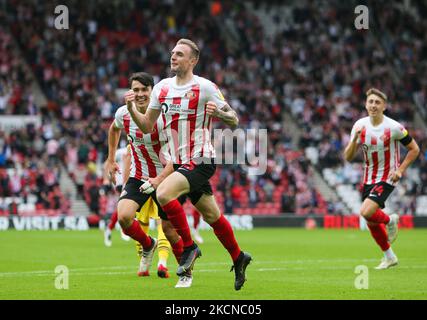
[190, 95]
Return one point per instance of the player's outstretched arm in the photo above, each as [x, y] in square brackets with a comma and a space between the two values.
[111, 166]
[351, 149]
[411, 156]
[167, 170]
[226, 114]
[152, 183]
[145, 122]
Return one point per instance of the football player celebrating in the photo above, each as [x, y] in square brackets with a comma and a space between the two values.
[379, 136]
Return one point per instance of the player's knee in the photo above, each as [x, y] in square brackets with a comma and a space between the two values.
[365, 213]
[125, 220]
[211, 216]
[163, 197]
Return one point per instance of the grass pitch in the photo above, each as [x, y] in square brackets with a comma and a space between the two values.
[288, 264]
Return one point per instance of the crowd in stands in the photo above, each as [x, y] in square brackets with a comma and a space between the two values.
[316, 69]
[326, 66]
[29, 174]
[404, 39]
[15, 93]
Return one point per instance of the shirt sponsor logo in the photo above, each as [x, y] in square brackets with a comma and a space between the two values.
[176, 108]
[137, 141]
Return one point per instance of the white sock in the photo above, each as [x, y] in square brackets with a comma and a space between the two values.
[389, 254]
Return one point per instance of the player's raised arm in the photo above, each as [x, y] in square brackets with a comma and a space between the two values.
[111, 166]
[145, 122]
[218, 107]
[226, 114]
[351, 149]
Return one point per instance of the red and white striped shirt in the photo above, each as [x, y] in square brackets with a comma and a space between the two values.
[148, 151]
[380, 147]
[187, 126]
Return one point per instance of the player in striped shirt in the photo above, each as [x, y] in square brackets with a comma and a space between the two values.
[147, 161]
[187, 103]
[379, 136]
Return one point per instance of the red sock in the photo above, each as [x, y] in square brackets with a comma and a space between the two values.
[379, 217]
[178, 248]
[196, 219]
[135, 232]
[379, 233]
[177, 217]
[225, 234]
[113, 221]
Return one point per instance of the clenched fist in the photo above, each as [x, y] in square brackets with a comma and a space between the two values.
[212, 109]
[358, 133]
[129, 98]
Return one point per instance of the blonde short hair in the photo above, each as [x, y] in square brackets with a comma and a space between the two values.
[378, 93]
[194, 48]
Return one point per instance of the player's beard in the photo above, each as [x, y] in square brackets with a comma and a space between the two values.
[174, 72]
[179, 72]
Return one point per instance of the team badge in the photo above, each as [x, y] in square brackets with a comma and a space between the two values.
[190, 95]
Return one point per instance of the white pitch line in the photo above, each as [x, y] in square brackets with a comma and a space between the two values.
[46, 273]
[36, 272]
[202, 264]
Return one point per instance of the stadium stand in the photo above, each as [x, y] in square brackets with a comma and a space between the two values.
[326, 71]
[273, 62]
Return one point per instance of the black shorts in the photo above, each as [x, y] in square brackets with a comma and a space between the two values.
[131, 191]
[198, 176]
[109, 187]
[378, 192]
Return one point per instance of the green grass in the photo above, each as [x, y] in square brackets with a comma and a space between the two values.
[288, 264]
